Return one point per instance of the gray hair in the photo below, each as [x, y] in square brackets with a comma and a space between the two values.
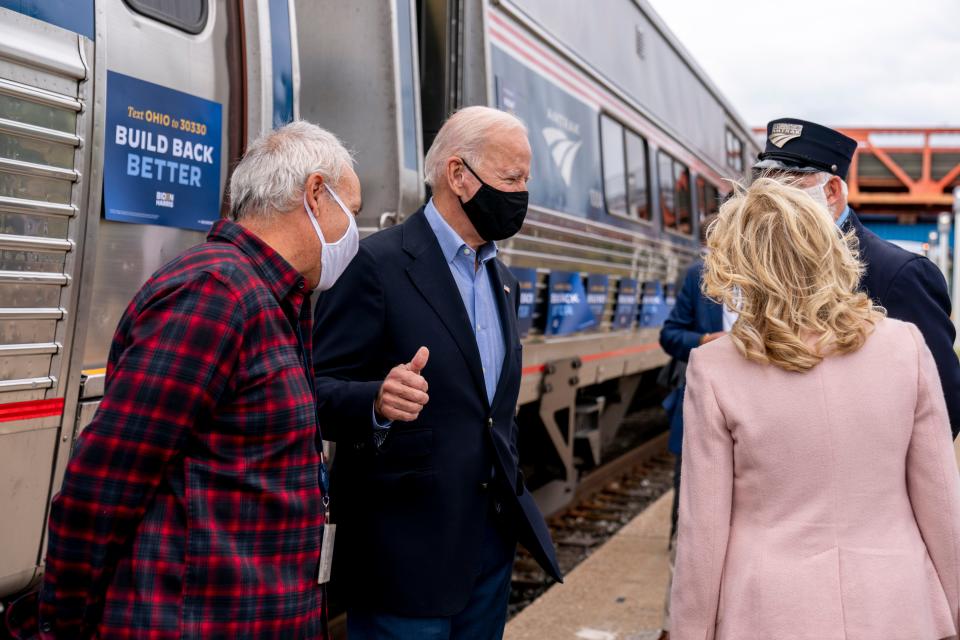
[463, 135]
[823, 177]
[271, 175]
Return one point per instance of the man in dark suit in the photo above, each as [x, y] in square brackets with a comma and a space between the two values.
[418, 385]
[907, 285]
[694, 320]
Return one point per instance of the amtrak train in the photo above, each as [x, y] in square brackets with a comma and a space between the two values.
[120, 121]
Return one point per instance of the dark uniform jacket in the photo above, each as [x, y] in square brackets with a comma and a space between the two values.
[911, 288]
[693, 316]
[411, 513]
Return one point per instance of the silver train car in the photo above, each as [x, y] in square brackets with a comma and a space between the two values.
[632, 146]
[121, 119]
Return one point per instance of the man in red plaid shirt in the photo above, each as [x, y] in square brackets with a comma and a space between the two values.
[193, 506]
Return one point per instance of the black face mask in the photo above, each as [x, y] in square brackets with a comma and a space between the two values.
[495, 214]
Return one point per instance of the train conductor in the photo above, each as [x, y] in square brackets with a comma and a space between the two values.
[907, 285]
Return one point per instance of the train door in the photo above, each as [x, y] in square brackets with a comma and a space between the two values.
[119, 122]
[359, 80]
[453, 60]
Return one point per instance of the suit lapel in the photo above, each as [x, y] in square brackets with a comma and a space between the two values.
[508, 321]
[431, 275]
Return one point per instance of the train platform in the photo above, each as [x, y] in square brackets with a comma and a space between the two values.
[615, 594]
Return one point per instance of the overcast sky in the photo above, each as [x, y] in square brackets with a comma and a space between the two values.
[837, 62]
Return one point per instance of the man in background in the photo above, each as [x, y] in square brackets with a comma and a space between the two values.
[909, 286]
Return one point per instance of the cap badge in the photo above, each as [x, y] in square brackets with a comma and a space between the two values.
[781, 133]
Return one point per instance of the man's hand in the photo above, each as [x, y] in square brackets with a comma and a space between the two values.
[710, 337]
[404, 391]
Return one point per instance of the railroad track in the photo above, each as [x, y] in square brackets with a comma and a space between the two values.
[605, 500]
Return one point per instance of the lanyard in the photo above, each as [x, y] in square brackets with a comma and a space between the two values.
[304, 360]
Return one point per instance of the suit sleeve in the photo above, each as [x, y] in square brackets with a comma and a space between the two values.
[918, 294]
[932, 479]
[180, 352]
[678, 337]
[706, 498]
[347, 340]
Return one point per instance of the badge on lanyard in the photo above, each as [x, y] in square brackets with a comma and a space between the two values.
[326, 545]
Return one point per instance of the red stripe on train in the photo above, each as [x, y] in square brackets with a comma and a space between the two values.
[31, 409]
[626, 351]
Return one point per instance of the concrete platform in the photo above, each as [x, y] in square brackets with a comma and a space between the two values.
[615, 594]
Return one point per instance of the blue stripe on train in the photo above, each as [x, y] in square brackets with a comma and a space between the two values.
[281, 53]
[73, 15]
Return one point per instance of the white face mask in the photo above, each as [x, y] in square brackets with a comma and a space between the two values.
[818, 194]
[335, 256]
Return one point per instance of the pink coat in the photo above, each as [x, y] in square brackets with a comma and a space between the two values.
[822, 505]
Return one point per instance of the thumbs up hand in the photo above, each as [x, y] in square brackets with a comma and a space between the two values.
[404, 391]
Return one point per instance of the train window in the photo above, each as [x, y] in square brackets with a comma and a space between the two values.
[734, 151]
[638, 195]
[612, 158]
[667, 202]
[675, 205]
[708, 200]
[681, 176]
[186, 15]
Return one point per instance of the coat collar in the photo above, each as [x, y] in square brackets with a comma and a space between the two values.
[278, 274]
[430, 273]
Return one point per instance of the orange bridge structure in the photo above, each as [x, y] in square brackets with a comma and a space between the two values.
[902, 174]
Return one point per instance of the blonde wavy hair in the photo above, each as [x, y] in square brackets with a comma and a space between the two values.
[777, 257]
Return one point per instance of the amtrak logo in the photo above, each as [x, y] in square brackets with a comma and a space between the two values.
[781, 133]
[563, 150]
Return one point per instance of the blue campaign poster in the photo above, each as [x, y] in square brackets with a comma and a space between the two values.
[597, 285]
[162, 157]
[670, 297]
[653, 308]
[527, 283]
[626, 304]
[567, 309]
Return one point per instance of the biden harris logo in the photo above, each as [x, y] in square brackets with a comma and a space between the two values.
[564, 142]
[164, 199]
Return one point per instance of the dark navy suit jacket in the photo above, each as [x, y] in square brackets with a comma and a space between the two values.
[693, 316]
[411, 513]
[911, 288]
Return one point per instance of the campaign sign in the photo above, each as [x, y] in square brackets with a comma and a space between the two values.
[653, 307]
[527, 283]
[162, 158]
[567, 308]
[670, 297]
[626, 309]
[597, 285]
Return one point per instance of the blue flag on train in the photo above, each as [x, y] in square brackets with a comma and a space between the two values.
[626, 309]
[597, 286]
[527, 284]
[567, 308]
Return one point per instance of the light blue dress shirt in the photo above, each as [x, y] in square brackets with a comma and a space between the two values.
[479, 300]
[843, 217]
[476, 291]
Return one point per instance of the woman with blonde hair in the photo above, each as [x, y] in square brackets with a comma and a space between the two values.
[820, 496]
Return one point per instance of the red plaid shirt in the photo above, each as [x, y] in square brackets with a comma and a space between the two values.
[192, 505]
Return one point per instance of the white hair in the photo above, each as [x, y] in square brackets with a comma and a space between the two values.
[824, 177]
[463, 135]
[270, 177]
